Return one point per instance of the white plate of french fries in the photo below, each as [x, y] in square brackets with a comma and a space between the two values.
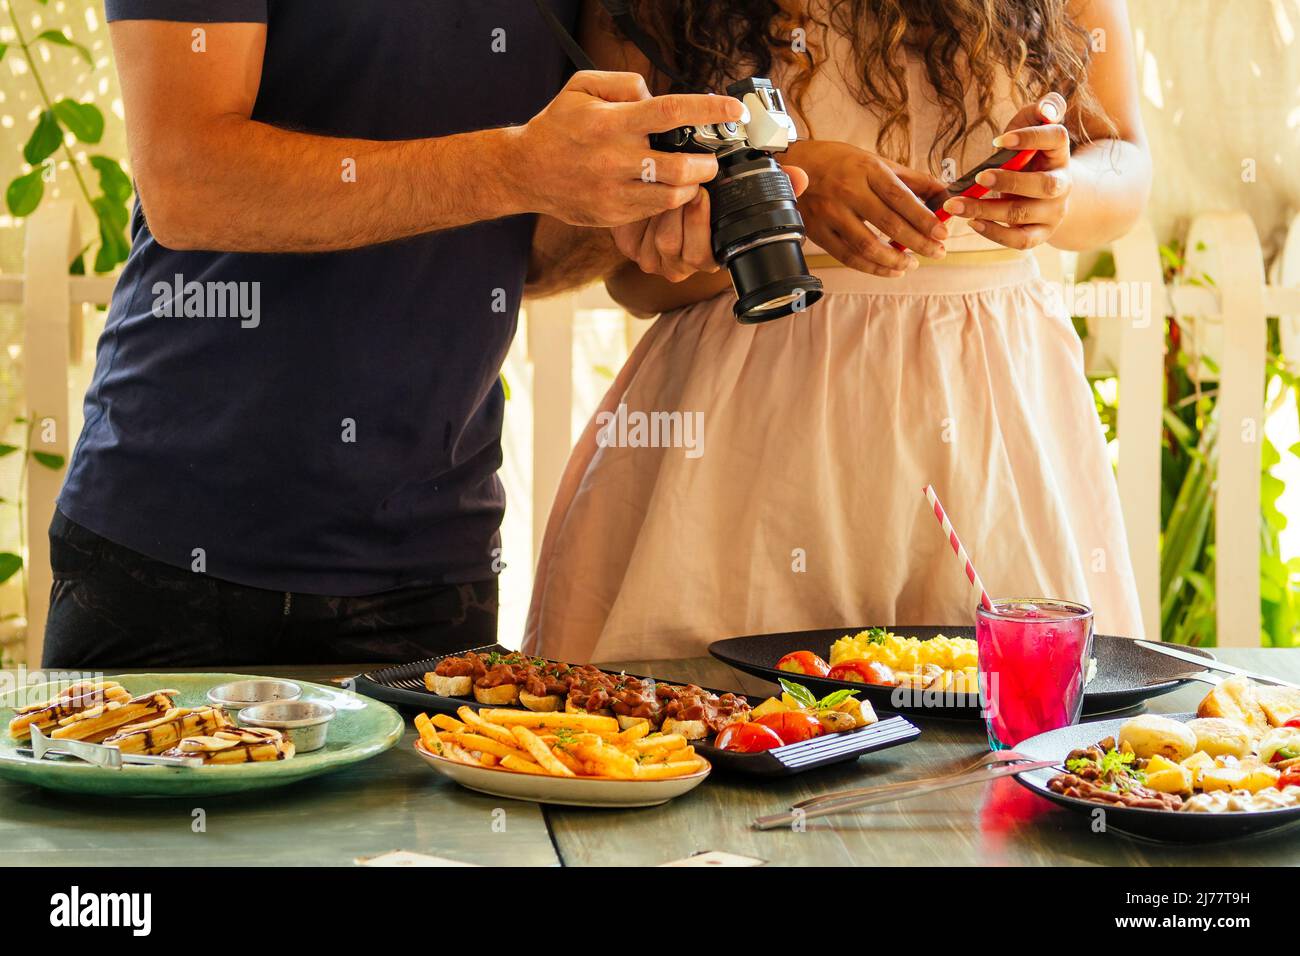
[582, 760]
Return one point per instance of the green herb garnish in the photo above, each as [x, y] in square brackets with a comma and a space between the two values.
[804, 697]
[833, 700]
[1113, 762]
[801, 694]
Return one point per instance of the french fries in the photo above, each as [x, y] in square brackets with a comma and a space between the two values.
[556, 744]
[533, 720]
[478, 725]
[541, 753]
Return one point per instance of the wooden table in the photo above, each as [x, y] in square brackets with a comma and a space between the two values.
[395, 802]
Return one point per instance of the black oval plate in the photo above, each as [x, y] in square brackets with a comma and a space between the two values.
[1167, 826]
[403, 685]
[1123, 670]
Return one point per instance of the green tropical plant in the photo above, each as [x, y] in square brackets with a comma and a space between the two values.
[12, 563]
[85, 122]
[1189, 463]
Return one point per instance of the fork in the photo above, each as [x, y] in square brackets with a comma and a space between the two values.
[1005, 764]
[993, 757]
[1205, 677]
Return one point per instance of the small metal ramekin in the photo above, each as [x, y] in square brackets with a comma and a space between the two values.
[305, 722]
[239, 694]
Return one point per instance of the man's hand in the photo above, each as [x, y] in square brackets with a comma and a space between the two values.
[852, 186]
[677, 244]
[1032, 202]
[583, 159]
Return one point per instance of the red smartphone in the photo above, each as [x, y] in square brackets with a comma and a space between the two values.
[1012, 159]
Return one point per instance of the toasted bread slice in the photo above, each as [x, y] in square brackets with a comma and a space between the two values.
[448, 686]
[544, 702]
[497, 696]
[236, 745]
[571, 708]
[155, 736]
[93, 725]
[690, 729]
[73, 699]
[1236, 699]
[1279, 704]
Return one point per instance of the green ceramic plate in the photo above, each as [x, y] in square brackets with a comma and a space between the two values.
[361, 729]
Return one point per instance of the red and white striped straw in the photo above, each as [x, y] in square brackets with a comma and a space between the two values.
[957, 548]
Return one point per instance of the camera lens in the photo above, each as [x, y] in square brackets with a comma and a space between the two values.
[757, 235]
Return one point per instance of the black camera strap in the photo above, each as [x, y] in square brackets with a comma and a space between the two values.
[621, 12]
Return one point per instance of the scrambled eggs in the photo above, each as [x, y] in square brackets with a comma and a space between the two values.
[940, 663]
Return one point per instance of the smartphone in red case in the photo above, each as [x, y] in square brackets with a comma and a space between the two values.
[1012, 159]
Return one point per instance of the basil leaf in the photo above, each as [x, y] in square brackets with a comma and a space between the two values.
[833, 700]
[800, 693]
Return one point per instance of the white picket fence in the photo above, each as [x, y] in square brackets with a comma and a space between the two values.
[1231, 313]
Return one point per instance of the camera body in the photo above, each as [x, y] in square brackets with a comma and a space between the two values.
[757, 232]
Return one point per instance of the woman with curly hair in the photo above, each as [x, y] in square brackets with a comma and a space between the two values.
[951, 363]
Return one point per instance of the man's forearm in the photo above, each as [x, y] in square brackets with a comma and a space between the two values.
[565, 257]
[238, 185]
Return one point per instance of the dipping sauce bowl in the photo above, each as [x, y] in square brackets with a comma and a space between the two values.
[305, 722]
[239, 694]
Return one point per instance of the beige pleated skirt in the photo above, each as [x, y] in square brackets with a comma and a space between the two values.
[798, 503]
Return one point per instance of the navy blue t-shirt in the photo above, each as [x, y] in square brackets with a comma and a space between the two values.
[343, 437]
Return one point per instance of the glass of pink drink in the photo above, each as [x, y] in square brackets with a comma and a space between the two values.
[1033, 655]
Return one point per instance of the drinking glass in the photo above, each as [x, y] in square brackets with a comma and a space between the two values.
[1033, 656]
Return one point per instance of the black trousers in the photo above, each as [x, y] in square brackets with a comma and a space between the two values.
[113, 607]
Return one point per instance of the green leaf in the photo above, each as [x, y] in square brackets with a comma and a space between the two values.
[10, 563]
[24, 193]
[83, 120]
[114, 247]
[45, 138]
[61, 39]
[833, 700]
[113, 182]
[800, 693]
[3, 48]
[7, 450]
[52, 462]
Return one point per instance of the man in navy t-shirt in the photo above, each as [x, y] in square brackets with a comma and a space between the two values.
[293, 431]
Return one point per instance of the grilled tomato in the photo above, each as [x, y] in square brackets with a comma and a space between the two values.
[792, 726]
[803, 662]
[748, 737]
[862, 672]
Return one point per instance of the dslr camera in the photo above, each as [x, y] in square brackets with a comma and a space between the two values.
[756, 227]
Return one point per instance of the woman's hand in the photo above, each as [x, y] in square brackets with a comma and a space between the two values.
[1033, 201]
[678, 243]
[850, 186]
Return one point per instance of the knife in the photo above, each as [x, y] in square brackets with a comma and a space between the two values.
[108, 757]
[1210, 664]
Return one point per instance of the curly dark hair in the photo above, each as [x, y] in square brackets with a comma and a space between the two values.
[962, 44]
